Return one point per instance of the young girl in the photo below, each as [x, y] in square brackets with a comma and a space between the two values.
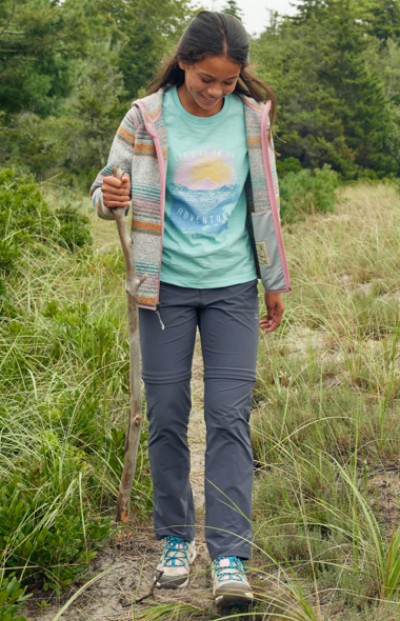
[199, 168]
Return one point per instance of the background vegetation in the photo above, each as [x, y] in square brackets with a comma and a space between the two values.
[325, 432]
[70, 69]
[64, 393]
[327, 398]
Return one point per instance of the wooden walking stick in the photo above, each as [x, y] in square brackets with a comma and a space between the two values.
[135, 409]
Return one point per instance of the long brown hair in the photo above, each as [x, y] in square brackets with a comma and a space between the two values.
[214, 34]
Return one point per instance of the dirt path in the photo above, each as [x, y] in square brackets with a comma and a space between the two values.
[130, 558]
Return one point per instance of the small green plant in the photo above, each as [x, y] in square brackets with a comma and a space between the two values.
[12, 598]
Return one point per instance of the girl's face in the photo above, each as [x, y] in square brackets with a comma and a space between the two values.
[206, 84]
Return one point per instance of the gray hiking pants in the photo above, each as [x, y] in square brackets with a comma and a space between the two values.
[228, 323]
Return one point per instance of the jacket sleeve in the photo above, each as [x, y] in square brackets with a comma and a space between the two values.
[121, 154]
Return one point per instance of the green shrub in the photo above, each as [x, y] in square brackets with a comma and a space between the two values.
[27, 220]
[74, 229]
[307, 192]
[24, 217]
[12, 598]
[287, 165]
[44, 513]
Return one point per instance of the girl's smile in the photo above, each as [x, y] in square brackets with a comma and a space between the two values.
[206, 84]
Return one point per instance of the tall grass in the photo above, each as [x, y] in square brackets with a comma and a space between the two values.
[326, 436]
[325, 424]
[63, 409]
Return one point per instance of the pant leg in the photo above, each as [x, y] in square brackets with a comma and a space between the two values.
[229, 327]
[166, 369]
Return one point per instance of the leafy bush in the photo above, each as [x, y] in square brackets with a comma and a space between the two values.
[44, 512]
[74, 229]
[26, 219]
[12, 598]
[307, 192]
[287, 165]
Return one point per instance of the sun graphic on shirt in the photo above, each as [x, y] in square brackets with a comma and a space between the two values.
[216, 171]
[205, 173]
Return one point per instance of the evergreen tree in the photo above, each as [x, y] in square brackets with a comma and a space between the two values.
[333, 105]
[69, 71]
[34, 71]
[231, 7]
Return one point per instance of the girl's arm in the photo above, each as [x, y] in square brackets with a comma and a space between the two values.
[106, 191]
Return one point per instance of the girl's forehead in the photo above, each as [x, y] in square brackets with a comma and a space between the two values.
[218, 66]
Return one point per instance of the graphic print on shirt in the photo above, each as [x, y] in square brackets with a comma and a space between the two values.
[204, 192]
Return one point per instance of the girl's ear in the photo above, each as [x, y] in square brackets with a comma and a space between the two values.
[182, 65]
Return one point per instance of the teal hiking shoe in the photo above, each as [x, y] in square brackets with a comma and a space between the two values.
[231, 588]
[174, 566]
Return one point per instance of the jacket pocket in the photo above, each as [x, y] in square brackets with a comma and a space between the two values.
[267, 251]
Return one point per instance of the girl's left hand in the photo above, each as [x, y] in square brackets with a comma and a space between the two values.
[272, 319]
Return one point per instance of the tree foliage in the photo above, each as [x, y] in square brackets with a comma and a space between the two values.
[330, 66]
[69, 69]
[34, 65]
[231, 7]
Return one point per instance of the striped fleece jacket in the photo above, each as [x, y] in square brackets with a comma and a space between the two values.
[140, 149]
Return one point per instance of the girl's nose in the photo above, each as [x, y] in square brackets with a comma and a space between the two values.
[215, 91]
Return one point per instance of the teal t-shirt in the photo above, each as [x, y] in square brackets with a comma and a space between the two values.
[206, 243]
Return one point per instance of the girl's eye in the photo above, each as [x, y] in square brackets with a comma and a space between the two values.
[206, 81]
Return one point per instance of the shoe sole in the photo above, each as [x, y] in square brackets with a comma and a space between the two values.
[171, 584]
[228, 601]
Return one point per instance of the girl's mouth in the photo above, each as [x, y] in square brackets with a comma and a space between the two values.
[209, 101]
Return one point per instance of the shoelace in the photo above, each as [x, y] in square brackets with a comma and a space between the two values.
[175, 552]
[234, 571]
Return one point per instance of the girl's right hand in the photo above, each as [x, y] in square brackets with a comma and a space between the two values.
[116, 192]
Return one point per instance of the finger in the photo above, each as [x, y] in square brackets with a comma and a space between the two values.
[268, 327]
[116, 196]
[109, 192]
[115, 204]
[265, 321]
[269, 323]
[112, 181]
